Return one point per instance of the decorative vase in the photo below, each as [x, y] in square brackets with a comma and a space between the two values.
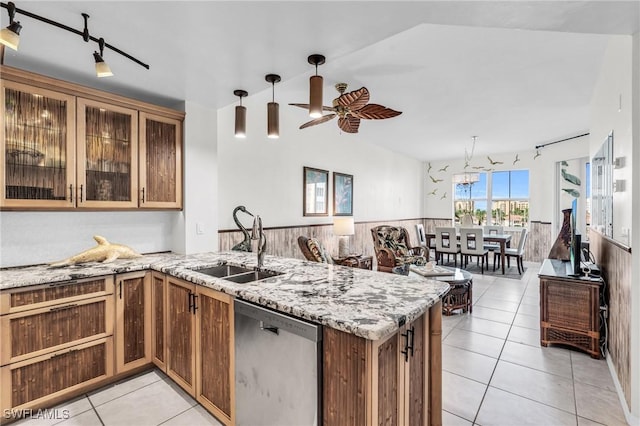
[560, 249]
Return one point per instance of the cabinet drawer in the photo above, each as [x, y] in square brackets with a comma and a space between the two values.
[32, 382]
[35, 332]
[27, 298]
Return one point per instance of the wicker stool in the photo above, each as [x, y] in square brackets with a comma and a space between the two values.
[460, 296]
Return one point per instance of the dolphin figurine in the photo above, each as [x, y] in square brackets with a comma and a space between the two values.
[104, 252]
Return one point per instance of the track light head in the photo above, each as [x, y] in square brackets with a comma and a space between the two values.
[10, 36]
[273, 114]
[102, 69]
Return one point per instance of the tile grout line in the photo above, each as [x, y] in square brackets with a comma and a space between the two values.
[94, 410]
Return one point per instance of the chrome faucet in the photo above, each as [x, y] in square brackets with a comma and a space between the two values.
[257, 233]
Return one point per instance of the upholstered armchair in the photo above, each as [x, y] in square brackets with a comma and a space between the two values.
[393, 248]
[313, 250]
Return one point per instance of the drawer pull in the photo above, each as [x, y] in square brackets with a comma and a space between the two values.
[61, 308]
[62, 353]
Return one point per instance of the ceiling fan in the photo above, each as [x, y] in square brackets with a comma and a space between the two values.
[350, 108]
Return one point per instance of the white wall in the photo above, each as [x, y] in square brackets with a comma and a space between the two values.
[616, 106]
[542, 178]
[265, 175]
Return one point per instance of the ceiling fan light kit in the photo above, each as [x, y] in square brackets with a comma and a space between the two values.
[315, 87]
[241, 115]
[273, 114]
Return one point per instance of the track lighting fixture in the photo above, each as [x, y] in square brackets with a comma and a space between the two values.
[273, 119]
[315, 87]
[10, 36]
[102, 69]
[241, 115]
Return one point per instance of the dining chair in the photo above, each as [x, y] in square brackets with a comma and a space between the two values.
[472, 245]
[422, 239]
[492, 230]
[447, 243]
[518, 252]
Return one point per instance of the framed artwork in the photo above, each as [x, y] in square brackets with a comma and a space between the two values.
[342, 194]
[315, 192]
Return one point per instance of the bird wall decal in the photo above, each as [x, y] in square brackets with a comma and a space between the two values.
[478, 167]
[493, 163]
[434, 180]
[443, 196]
[433, 192]
[517, 159]
[430, 167]
[444, 169]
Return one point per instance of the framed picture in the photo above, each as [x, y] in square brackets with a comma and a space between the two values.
[315, 192]
[342, 194]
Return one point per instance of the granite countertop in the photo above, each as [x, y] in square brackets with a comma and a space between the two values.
[365, 303]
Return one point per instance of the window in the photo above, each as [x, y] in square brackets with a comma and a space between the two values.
[510, 198]
[507, 192]
[471, 198]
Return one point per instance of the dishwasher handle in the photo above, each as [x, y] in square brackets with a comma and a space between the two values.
[273, 321]
[270, 328]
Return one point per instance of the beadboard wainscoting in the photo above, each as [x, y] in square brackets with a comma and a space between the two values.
[283, 241]
[614, 260]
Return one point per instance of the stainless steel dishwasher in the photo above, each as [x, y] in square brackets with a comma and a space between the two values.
[278, 368]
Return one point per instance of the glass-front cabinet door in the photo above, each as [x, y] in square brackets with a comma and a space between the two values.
[38, 147]
[107, 150]
[160, 162]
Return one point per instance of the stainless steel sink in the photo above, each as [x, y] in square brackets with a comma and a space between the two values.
[251, 276]
[237, 274]
[222, 271]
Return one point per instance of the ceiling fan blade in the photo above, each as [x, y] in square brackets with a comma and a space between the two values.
[306, 106]
[354, 100]
[375, 112]
[319, 120]
[349, 124]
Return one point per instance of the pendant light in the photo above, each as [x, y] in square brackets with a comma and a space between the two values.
[102, 69]
[10, 36]
[315, 87]
[241, 115]
[273, 119]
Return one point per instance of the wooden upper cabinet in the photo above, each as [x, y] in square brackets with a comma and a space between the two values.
[107, 150]
[38, 149]
[160, 162]
[65, 146]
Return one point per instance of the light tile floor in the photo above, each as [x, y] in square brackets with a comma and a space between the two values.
[494, 373]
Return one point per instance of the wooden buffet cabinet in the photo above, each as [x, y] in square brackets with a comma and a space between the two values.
[569, 309]
[64, 339]
[64, 146]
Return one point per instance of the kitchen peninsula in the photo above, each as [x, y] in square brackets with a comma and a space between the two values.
[381, 335]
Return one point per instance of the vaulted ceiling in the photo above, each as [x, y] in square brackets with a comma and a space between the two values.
[514, 73]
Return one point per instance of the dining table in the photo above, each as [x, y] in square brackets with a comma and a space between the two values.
[504, 240]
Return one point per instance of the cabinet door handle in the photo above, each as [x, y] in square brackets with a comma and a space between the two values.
[405, 351]
[71, 193]
[120, 289]
[142, 195]
[81, 192]
[62, 308]
[195, 303]
[190, 300]
[410, 345]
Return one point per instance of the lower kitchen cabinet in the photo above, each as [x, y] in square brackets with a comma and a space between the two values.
[57, 339]
[200, 345]
[215, 353]
[181, 333]
[392, 381]
[133, 320]
[158, 320]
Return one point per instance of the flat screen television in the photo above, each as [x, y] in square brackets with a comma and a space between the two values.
[575, 243]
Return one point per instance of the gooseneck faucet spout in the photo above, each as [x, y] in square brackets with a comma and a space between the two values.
[257, 233]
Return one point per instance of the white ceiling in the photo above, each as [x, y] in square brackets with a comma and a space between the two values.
[514, 73]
